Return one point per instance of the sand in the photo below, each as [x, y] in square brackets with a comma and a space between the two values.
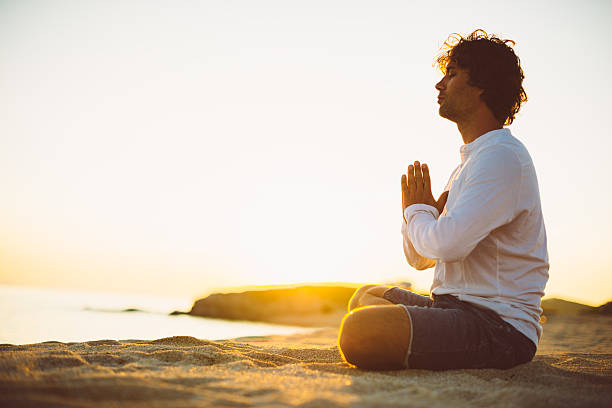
[573, 367]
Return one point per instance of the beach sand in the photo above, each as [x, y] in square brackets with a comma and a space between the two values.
[573, 367]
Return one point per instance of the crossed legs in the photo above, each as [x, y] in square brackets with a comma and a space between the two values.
[375, 334]
[379, 333]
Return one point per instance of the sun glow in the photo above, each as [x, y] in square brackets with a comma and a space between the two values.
[244, 145]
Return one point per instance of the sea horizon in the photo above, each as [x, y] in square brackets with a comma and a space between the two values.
[36, 314]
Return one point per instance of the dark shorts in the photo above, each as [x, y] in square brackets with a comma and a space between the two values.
[449, 334]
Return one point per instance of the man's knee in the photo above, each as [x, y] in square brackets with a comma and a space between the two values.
[354, 300]
[375, 337]
[349, 340]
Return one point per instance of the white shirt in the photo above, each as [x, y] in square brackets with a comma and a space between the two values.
[489, 243]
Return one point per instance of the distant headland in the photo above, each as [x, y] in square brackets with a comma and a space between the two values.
[324, 305]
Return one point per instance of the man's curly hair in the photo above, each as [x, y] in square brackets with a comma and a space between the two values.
[492, 66]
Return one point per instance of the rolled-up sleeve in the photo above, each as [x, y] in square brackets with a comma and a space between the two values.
[415, 259]
[487, 200]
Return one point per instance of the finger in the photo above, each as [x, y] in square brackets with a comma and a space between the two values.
[418, 175]
[411, 180]
[426, 180]
[404, 194]
[411, 183]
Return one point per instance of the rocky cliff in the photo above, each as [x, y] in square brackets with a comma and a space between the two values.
[311, 306]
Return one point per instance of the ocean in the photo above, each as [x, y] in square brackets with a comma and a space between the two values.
[34, 315]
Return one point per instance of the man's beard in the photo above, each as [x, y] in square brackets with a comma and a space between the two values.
[447, 112]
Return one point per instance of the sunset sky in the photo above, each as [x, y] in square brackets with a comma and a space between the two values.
[174, 147]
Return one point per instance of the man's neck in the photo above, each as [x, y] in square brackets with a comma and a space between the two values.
[471, 134]
[480, 123]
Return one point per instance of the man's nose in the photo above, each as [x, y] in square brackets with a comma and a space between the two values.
[440, 85]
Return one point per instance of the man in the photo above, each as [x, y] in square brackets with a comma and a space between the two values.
[485, 235]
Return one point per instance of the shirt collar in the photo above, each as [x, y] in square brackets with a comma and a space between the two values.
[481, 141]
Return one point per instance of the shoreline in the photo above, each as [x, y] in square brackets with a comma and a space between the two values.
[573, 367]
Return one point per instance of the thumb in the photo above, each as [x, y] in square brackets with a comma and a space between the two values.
[442, 201]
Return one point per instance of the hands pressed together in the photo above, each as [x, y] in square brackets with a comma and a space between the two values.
[416, 188]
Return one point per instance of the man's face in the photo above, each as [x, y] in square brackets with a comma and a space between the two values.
[458, 100]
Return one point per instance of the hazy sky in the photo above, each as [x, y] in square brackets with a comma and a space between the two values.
[177, 146]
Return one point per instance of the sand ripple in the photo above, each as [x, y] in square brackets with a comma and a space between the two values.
[291, 371]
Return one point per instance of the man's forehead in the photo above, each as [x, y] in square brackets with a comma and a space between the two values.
[454, 66]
